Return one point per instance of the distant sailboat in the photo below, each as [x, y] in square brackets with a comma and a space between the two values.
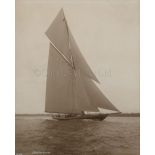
[71, 92]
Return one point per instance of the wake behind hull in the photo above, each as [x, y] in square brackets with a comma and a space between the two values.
[88, 116]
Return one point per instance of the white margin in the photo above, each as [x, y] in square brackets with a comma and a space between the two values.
[147, 82]
[7, 77]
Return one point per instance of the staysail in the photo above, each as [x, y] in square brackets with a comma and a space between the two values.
[69, 85]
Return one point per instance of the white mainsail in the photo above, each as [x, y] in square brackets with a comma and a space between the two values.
[70, 87]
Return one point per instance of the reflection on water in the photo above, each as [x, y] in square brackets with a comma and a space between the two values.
[113, 136]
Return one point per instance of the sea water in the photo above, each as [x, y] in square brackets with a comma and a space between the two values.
[44, 136]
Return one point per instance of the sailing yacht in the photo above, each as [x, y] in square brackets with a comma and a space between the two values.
[71, 90]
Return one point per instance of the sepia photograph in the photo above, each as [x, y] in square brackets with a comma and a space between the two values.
[77, 75]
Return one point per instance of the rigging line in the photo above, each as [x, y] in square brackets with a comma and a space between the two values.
[64, 19]
[74, 81]
[68, 34]
[69, 45]
[61, 54]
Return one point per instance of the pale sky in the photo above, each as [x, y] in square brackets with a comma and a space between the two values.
[107, 33]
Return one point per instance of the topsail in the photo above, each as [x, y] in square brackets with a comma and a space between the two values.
[70, 81]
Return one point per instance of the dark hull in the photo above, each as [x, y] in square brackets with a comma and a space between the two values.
[87, 116]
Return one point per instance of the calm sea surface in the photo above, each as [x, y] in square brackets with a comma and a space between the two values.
[39, 135]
